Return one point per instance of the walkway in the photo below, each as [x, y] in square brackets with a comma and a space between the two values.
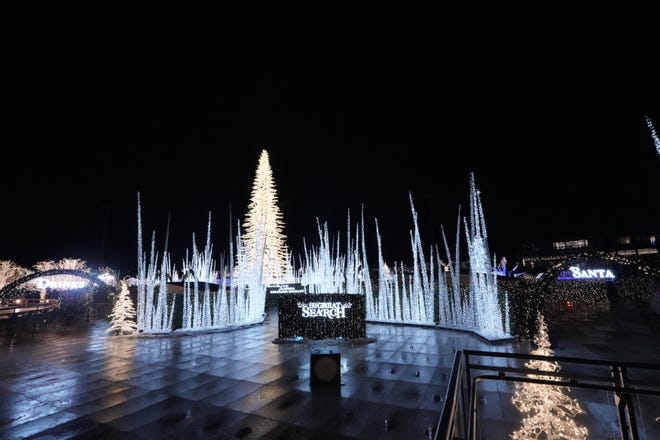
[78, 382]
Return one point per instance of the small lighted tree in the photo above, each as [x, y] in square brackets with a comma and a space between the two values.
[122, 318]
[549, 411]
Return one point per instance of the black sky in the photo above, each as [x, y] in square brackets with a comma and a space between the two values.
[355, 107]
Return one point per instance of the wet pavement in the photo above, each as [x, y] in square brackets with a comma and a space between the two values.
[62, 381]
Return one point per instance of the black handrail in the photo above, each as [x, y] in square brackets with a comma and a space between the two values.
[447, 424]
[459, 414]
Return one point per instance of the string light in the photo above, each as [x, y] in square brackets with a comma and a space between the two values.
[549, 411]
[122, 318]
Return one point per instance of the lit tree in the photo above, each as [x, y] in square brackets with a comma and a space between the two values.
[110, 274]
[549, 411]
[10, 272]
[263, 239]
[64, 263]
[122, 318]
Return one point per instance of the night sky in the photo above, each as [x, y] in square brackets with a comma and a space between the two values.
[356, 108]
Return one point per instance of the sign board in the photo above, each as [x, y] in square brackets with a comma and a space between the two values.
[285, 288]
[575, 273]
[61, 282]
[321, 316]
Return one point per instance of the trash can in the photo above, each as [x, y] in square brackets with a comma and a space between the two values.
[325, 366]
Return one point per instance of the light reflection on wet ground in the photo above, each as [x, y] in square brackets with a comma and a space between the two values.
[80, 382]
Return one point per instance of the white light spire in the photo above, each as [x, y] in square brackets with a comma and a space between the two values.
[654, 135]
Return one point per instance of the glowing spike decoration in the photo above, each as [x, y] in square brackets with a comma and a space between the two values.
[654, 135]
[427, 293]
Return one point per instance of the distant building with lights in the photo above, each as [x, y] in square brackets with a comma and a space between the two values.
[537, 255]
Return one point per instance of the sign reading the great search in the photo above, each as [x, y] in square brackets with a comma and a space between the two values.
[321, 316]
[330, 310]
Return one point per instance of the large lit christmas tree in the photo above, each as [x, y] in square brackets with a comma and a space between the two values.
[549, 411]
[122, 318]
[263, 240]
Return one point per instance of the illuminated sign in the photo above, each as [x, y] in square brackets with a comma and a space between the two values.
[286, 288]
[321, 316]
[43, 283]
[575, 273]
[69, 282]
[330, 310]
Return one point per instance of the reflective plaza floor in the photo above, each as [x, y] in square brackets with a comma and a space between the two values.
[77, 381]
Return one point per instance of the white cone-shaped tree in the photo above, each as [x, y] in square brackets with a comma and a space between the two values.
[122, 318]
[263, 237]
[549, 411]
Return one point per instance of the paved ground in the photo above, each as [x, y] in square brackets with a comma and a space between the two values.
[77, 381]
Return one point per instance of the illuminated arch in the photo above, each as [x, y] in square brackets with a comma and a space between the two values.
[9, 288]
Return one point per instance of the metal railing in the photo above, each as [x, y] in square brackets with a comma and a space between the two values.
[460, 413]
[25, 306]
